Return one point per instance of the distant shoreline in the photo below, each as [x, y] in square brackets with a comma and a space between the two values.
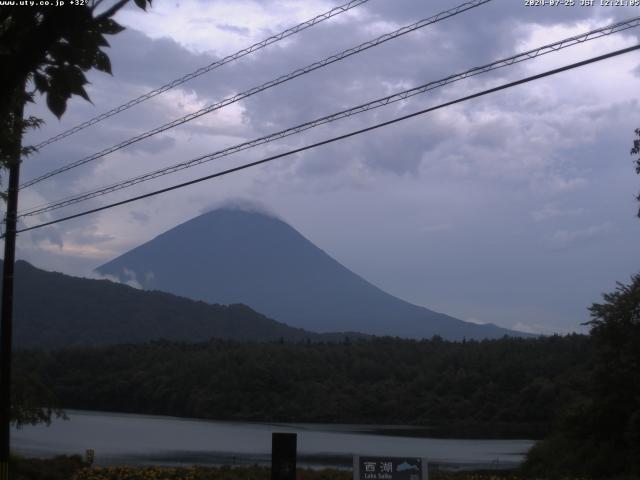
[397, 430]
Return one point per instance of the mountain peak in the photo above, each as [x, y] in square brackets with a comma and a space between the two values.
[242, 253]
[241, 205]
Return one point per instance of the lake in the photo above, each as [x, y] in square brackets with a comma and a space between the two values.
[144, 440]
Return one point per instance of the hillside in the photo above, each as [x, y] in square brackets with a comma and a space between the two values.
[232, 256]
[55, 310]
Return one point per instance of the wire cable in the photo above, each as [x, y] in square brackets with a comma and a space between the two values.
[340, 137]
[272, 83]
[201, 71]
[520, 57]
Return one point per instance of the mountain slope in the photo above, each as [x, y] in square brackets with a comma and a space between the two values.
[55, 310]
[233, 256]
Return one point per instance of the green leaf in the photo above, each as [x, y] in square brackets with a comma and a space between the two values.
[75, 81]
[79, 90]
[102, 62]
[57, 103]
[41, 82]
[109, 27]
[58, 85]
[101, 41]
[73, 75]
[59, 52]
[32, 122]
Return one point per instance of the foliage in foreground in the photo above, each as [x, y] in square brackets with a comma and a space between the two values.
[32, 401]
[251, 473]
[72, 468]
[600, 435]
[59, 468]
[45, 50]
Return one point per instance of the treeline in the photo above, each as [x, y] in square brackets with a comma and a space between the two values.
[507, 387]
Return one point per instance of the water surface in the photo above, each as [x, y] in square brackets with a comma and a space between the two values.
[142, 439]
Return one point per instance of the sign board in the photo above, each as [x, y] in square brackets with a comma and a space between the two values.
[283, 456]
[389, 468]
[89, 455]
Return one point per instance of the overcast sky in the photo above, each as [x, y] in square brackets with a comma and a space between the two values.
[517, 208]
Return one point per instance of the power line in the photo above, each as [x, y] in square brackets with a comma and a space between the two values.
[272, 83]
[340, 137]
[520, 57]
[201, 71]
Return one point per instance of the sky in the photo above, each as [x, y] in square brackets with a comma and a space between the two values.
[517, 208]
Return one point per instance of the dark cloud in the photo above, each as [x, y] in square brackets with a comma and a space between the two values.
[242, 204]
[151, 63]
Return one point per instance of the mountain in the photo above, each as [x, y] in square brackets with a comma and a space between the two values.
[54, 310]
[234, 256]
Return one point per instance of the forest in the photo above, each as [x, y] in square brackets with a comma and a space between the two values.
[493, 388]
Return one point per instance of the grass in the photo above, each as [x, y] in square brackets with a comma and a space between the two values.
[58, 468]
[250, 473]
[73, 468]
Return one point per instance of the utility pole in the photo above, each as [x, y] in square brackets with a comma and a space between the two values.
[6, 326]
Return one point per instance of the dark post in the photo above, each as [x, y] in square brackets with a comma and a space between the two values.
[283, 456]
[7, 298]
